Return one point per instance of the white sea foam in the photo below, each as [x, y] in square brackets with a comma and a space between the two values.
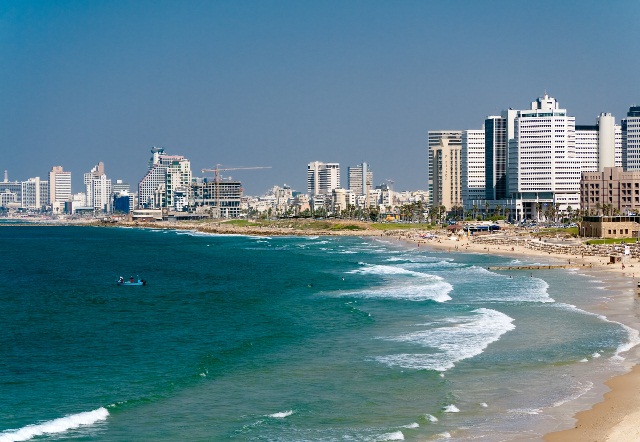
[451, 409]
[396, 435]
[581, 390]
[483, 404]
[281, 414]
[54, 426]
[596, 355]
[413, 425]
[402, 284]
[518, 290]
[445, 435]
[456, 339]
[431, 418]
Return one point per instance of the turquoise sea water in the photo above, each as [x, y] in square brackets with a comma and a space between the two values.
[285, 339]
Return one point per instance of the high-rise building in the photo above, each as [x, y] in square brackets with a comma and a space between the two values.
[166, 174]
[35, 193]
[361, 180]
[472, 166]
[96, 172]
[454, 138]
[631, 139]
[322, 178]
[599, 146]
[544, 169]
[59, 189]
[496, 146]
[446, 175]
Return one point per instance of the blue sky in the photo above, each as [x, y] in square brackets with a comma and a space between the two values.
[281, 84]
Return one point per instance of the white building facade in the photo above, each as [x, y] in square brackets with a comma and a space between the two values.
[543, 166]
[59, 189]
[472, 165]
[322, 178]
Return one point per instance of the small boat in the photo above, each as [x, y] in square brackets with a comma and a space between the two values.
[131, 281]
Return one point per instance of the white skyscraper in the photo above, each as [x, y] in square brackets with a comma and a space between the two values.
[472, 166]
[96, 172]
[543, 166]
[322, 178]
[360, 179]
[59, 188]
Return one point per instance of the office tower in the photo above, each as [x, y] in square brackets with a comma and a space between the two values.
[446, 175]
[322, 178]
[496, 154]
[96, 172]
[59, 188]
[472, 166]
[360, 179]
[35, 193]
[454, 138]
[101, 194]
[543, 167]
[631, 139]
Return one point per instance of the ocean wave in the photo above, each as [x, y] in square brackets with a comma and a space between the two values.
[431, 418]
[54, 426]
[281, 414]
[456, 339]
[451, 409]
[435, 289]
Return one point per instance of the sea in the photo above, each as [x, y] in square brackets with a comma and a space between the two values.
[256, 338]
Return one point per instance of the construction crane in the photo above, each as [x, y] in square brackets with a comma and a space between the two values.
[216, 174]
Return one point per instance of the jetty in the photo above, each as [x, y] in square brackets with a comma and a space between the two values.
[541, 267]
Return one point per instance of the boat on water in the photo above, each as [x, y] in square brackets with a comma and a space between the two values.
[131, 281]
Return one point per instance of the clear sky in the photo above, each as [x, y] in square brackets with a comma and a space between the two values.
[284, 83]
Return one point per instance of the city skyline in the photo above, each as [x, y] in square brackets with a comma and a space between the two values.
[281, 84]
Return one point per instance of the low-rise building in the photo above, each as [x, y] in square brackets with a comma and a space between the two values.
[611, 192]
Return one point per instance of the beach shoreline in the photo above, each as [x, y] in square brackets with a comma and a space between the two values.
[615, 416]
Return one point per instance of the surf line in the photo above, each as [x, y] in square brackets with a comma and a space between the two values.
[59, 425]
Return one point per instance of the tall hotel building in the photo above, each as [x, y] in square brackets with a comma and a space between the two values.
[631, 139]
[322, 178]
[167, 176]
[543, 166]
[446, 175]
[453, 137]
[472, 166]
[59, 189]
